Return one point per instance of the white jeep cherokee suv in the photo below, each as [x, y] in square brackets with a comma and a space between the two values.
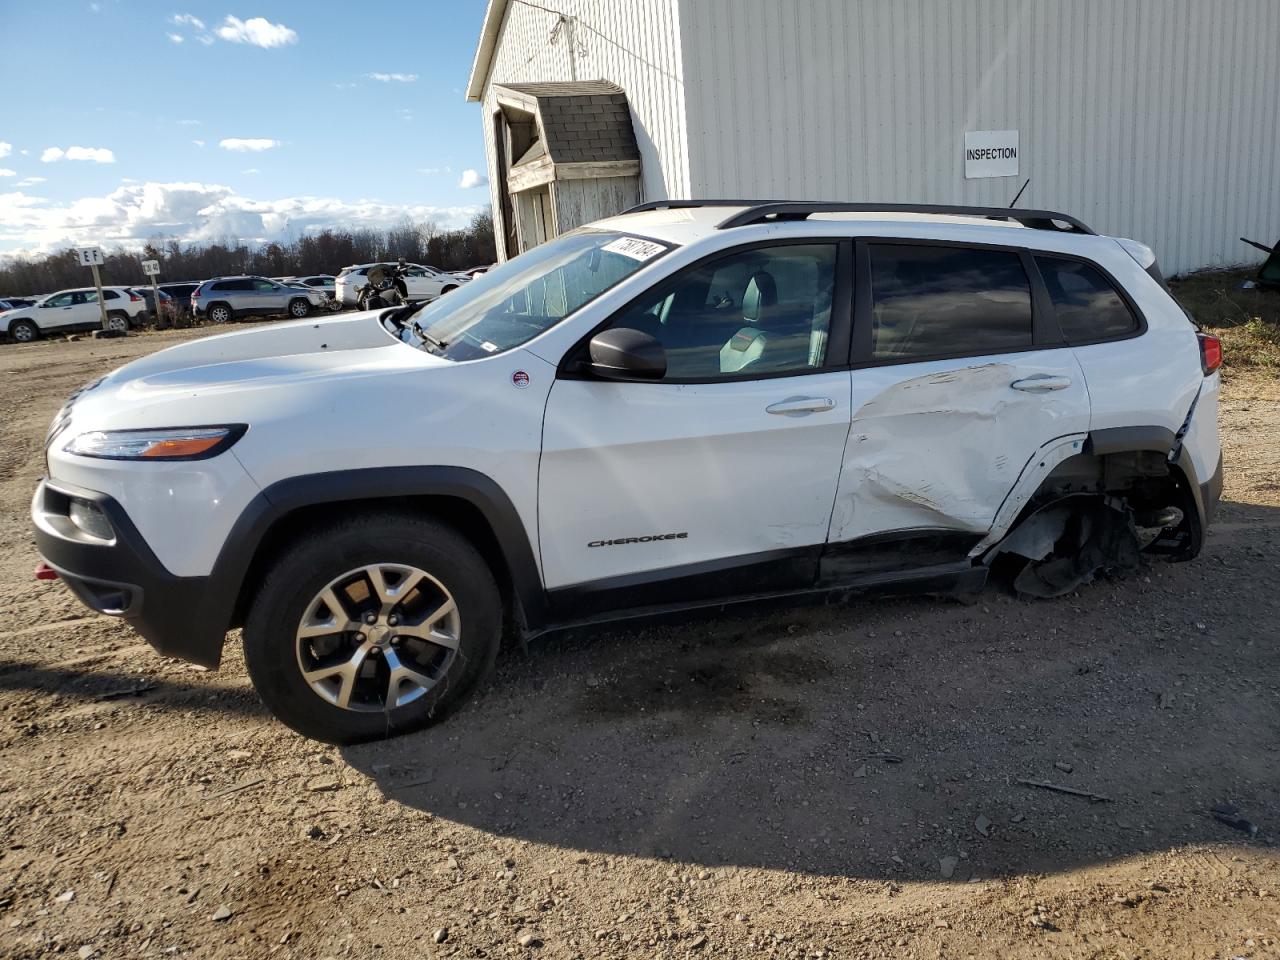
[69, 310]
[688, 404]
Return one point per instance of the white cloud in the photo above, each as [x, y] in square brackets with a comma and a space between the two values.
[186, 20]
[257, 31]
[5, 148]
[250, 144]
[393, 77]
[251, 170]
[176, 38]
[189, 123]
[198, 143]
[193, 212]
[472, 178]
[434, 170]
[94, 154]
[29, 181]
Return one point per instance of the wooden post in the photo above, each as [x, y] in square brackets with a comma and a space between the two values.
[102, 304]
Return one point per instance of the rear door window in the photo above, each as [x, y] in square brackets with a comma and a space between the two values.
[1086, 304]
[938, 301]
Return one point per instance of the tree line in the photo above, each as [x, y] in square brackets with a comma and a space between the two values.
[326, 251]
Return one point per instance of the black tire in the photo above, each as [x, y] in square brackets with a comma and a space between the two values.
[117, 320]
[220, 313]
[24, 331]
[299, 307]
[303, 571]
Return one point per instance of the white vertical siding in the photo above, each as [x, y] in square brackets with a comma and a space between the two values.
[633, 43]
[1154, 119]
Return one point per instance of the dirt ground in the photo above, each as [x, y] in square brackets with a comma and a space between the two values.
[834, 781]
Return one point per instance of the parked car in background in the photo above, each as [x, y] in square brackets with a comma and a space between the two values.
[78, 309]
[318, 281]
[13, 303]
[225, 298]
[166, 314]
[421, 282]
[473, 272]
[181, 290]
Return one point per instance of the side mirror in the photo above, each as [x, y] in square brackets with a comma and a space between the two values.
[622, 353]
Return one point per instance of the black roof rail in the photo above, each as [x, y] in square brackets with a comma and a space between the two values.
[689, 204]
[767, 211]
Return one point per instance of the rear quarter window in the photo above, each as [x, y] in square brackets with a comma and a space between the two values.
[1087, 305]
[937, 301]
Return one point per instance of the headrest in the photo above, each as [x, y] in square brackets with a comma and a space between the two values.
[762, 292]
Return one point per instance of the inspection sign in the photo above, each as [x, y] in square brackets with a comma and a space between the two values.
[990, 153]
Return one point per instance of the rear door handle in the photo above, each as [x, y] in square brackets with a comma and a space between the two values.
[1041, 383]
[796, 406]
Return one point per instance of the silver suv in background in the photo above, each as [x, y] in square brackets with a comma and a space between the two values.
[226, 298]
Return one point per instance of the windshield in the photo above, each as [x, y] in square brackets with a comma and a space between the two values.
[515, 302]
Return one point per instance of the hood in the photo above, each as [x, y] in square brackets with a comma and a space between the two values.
[214, 375]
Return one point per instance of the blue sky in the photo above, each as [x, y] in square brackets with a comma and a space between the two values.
[209, 120]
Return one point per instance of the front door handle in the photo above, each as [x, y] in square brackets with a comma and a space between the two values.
[796, 406]
[1041, 383]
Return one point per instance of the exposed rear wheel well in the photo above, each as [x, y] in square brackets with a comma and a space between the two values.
[461, 514]
[1144, 479]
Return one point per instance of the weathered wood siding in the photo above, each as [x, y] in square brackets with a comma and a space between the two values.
[633, 43]
[1152, 119]
[582, 201]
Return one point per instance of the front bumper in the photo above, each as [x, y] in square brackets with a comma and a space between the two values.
[179, 616]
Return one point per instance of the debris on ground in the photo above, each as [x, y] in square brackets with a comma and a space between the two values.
[1058, 788]
[1229, 814]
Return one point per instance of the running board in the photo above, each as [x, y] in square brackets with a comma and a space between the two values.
[957, 578]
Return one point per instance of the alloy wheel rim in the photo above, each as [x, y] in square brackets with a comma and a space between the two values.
[22, 334]
[378, 637]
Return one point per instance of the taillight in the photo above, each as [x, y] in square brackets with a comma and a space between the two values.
[1210, 352]
[196, 292]
[134, 298]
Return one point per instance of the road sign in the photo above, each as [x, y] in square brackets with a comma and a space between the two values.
[90, 256]
[151, 267]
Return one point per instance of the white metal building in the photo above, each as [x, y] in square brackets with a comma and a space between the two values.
[1152, 119]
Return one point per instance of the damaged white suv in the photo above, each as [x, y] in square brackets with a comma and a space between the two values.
[688, 404]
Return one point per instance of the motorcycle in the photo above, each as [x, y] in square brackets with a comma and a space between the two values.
[385, 287]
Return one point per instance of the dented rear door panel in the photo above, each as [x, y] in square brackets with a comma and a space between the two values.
[939, 445]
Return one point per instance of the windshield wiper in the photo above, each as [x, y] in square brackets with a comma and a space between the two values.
[438, 345]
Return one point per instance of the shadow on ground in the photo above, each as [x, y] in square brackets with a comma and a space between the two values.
[90, 685]
[879, 739]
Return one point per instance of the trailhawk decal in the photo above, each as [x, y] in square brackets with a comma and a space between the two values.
[623, 541]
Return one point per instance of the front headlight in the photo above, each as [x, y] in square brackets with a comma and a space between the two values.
[166, 443]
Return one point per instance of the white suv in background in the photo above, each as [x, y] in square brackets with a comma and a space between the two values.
[421, 282]
[689, 404]
[78, 309]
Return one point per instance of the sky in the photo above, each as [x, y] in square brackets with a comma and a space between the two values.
[127, 120]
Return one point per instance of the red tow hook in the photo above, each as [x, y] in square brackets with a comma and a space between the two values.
[45, 572]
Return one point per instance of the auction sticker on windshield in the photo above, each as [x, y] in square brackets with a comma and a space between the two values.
[634, 248]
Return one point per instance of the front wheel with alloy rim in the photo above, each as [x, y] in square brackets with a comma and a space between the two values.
[24, 331]
[371, 628]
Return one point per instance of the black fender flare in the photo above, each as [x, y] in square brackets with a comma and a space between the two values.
[275, 502]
